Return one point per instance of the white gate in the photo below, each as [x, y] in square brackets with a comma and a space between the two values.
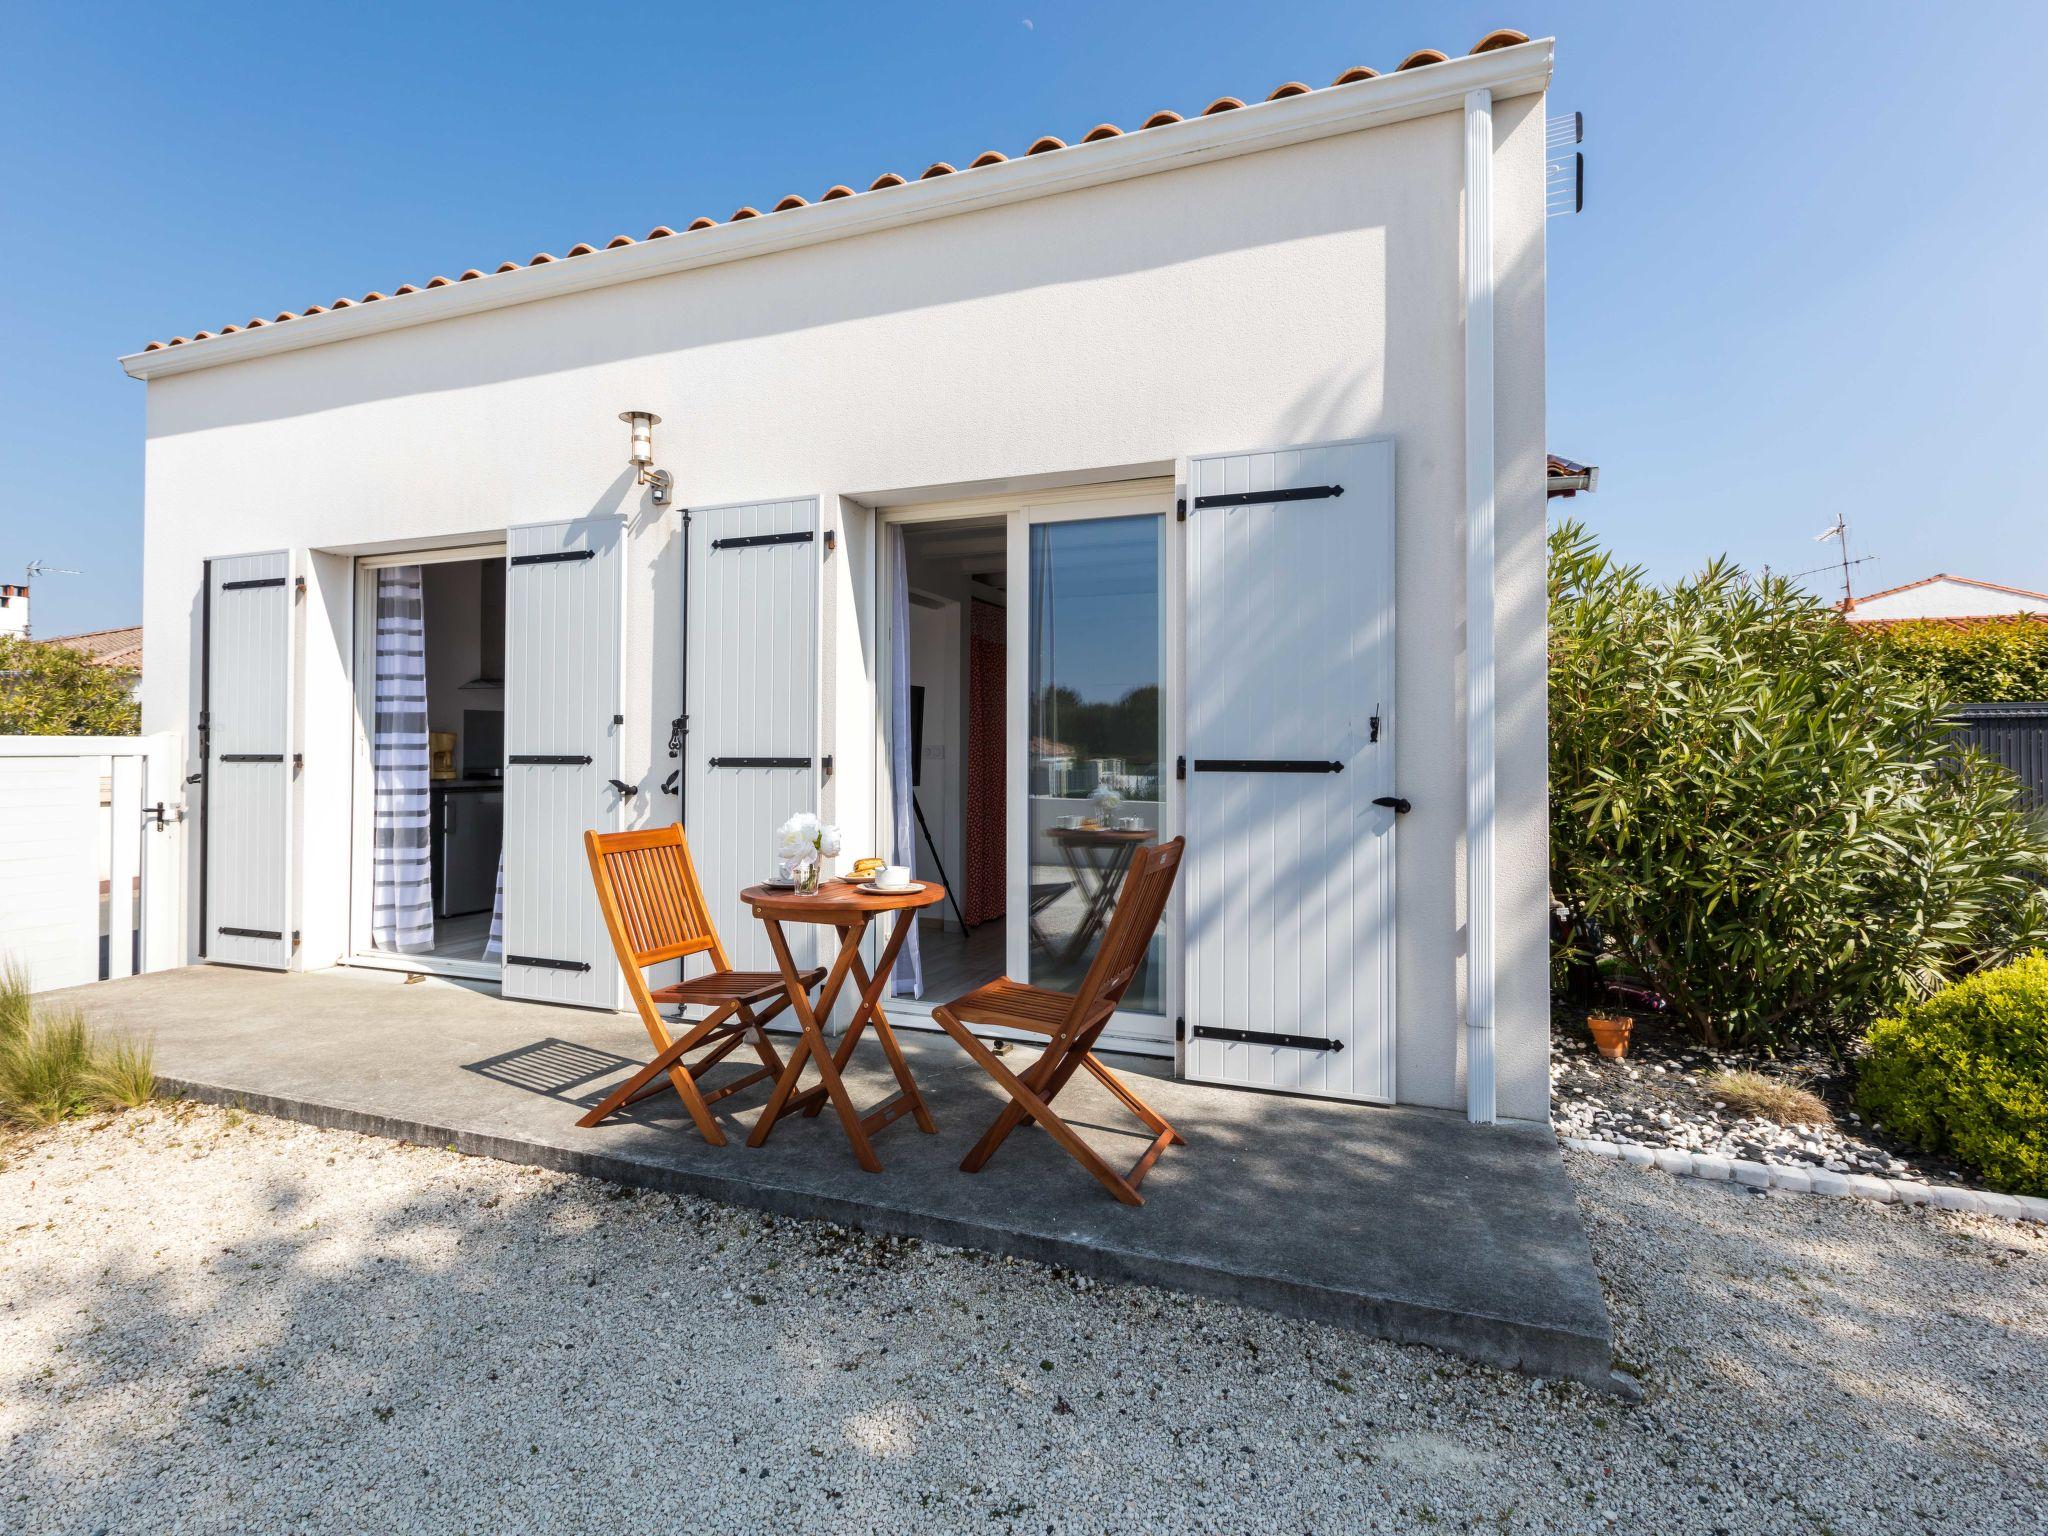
[1289, 884]
[249, 774]
[750, 749]
[89, 856]
[564, 641]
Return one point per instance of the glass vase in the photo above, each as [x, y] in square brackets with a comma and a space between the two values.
[807, 876]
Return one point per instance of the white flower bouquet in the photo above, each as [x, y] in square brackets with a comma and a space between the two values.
[1106, 802]
[802, 845]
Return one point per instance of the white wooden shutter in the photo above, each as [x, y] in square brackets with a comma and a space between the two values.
[246, 747]
[751, 748]
[1289, 882]
[564, 643]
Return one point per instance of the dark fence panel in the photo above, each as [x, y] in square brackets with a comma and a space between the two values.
[2016, 735]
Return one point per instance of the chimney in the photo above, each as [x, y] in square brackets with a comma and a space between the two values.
[13, 609]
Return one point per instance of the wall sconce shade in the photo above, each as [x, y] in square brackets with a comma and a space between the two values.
[643, 424]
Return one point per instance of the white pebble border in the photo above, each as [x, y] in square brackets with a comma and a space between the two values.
[1816, 1181]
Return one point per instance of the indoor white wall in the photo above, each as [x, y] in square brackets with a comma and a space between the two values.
[1292, 295]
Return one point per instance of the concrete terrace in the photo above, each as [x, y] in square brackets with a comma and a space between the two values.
[1405, 1223]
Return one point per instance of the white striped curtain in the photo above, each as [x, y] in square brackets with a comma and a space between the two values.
[402, 909]
[495, 944]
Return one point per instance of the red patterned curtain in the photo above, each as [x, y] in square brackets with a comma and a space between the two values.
[987, 640]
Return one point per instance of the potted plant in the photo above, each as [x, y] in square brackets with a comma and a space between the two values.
[1610, 1033]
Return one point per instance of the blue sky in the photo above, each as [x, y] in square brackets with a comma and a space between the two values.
[1807, 278]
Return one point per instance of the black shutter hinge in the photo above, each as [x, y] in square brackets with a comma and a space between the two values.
[1180, 767]
[1394, 803]
[1180, 1029]
[626, 791]
[675, 737]
[1375, 725]
[298, 761]
[1180, 510]
[831, 538]
[298, 590]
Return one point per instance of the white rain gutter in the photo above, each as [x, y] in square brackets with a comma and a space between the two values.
[1479, 691]
[1506, 72]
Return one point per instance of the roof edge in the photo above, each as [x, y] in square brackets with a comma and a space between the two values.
[1519, 70]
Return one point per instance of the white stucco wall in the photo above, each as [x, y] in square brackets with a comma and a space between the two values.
[1945, 598]
[1293, 295]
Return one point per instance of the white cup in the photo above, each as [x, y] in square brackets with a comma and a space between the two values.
[895, 877]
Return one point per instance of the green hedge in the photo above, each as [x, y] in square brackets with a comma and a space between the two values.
[1986, 661]
[1966, 1073]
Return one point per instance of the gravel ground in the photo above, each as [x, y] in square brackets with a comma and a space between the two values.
[1657, 1095]
[211, 1322]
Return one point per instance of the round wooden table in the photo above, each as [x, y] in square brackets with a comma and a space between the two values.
[840, 904]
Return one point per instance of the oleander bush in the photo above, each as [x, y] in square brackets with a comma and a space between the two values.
[1983, 661]
[1763, 817]
[53, 1068]
[1965, 1073]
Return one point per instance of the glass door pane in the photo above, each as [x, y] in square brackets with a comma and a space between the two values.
[1096, 737]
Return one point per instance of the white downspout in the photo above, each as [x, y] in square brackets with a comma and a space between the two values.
[1479, 696]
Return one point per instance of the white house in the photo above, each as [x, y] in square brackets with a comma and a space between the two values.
[1943, 596]
[1211, 447]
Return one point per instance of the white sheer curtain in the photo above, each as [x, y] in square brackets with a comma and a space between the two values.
[402, 906]
[908, 980]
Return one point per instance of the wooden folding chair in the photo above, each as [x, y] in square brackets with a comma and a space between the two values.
[1074, 1021]
[654, 909]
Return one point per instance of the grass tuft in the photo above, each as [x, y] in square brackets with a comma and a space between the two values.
[53, 1068]
[1775, 1098]
[123, 1075]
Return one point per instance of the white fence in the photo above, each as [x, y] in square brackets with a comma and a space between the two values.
[90, 852]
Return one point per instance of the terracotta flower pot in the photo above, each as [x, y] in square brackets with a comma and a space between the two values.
[1610, 1034]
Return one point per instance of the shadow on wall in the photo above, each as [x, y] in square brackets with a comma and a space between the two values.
[1325, 189]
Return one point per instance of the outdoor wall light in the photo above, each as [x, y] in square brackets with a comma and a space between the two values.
[642, 459]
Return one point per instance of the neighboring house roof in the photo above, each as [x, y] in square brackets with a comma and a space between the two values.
[1945, 597]
[1568, 479]
[1501, 38]
[120, 649]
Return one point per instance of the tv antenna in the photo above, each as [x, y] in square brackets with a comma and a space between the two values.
[1839, 531]
[43, 568]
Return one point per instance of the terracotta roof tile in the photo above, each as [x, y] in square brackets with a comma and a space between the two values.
[1047, 144]
[119, 649]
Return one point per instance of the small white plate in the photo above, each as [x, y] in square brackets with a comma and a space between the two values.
[909, 887]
